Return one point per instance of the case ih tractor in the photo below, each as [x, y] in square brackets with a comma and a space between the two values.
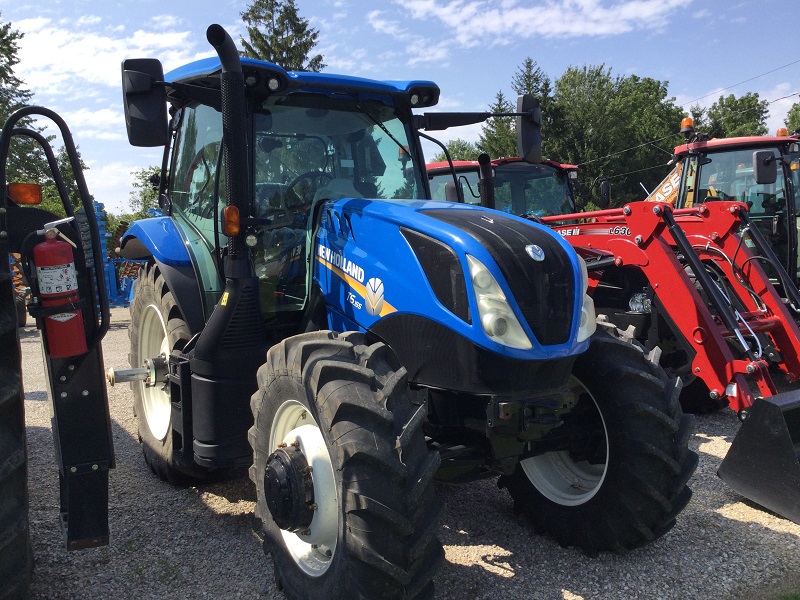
[307, 313]
[687, 284]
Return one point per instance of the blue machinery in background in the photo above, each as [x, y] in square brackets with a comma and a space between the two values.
[120, 274]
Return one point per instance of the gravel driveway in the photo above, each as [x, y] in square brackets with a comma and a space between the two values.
[196, 542]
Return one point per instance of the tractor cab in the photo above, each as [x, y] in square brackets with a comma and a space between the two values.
[761, 172]
[520, 188]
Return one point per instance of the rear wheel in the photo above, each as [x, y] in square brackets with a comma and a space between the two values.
[16, 556]
[623, 479]
[157, 330]
[343, 475]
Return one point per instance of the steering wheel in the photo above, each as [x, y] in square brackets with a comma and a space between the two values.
[316, 178]
[718, 196]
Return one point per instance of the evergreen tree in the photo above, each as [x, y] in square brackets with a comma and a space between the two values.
[530, 79]
[278, 34]
[498, 138]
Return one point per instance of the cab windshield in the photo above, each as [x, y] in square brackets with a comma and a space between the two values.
[520, 188]
[306, 148]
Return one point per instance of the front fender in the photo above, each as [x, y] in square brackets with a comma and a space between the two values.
[158, 239]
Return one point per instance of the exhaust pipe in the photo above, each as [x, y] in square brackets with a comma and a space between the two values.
[763, 463]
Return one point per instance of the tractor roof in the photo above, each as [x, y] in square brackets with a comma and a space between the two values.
[721, 144]
[205, 72]
[473, 164]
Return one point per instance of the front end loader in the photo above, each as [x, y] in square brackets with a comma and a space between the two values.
[306, 311]
[691, 285]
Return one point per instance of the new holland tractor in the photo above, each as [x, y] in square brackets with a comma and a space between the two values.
[305, 312]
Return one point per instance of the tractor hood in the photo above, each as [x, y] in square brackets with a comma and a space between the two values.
[384, 260]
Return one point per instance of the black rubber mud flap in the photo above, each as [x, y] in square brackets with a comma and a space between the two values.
[762, 463]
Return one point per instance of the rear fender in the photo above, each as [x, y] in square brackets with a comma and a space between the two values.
[158, 239]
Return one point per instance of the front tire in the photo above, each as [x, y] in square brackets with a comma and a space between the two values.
[622, 484]
[16, 554]
[361, 521]
[157, 330]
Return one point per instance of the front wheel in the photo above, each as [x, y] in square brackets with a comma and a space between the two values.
[622, 476]
[157, 330]
[343, 475]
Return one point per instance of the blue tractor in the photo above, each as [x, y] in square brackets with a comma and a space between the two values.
[306, 312]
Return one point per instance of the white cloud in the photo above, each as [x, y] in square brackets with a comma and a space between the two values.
[104, 183]
[473, 23]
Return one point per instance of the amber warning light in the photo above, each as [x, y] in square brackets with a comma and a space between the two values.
[25, 193]
[782, 132]
[230, 221]
[687, 126]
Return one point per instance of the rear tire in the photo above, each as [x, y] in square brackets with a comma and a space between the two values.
[157, 328]
[628, 493]
[373, 530]
[16, 554]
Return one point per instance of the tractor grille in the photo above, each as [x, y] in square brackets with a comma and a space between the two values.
[543, 290]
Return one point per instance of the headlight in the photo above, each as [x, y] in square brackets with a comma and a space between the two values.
[496, 316]
[588, 322]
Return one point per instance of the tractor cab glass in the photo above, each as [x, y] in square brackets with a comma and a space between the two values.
[347, 149]
[773, 206]
[520, 188]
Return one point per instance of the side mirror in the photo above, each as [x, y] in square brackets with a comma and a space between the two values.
[529, 129]
[765, 167]
[605, 194]
[145, 101]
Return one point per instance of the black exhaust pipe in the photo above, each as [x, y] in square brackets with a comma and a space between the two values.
[232, 344]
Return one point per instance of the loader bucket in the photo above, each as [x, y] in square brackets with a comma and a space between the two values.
[762, 463]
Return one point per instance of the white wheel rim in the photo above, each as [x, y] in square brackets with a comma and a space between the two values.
[155, 399]
[312, 552]
[560, 478]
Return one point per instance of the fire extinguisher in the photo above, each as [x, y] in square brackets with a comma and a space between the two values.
[58, 287]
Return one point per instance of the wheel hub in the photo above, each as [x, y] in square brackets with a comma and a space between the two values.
[289, 488]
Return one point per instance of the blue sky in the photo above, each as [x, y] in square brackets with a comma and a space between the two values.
[72, 49]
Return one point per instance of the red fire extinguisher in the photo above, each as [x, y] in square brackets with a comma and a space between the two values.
[58, 286]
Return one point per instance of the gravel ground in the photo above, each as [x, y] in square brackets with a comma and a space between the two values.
[196, 542]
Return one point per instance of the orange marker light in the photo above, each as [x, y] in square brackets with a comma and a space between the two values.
[230, 221]
[687, 125]
[782, 132]
[25, 193]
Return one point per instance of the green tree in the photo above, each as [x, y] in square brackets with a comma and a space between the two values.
[620, 128]
[51, 199]
[731, 116]
[793, 118]
[144, 194]
[278, 34]
[498, 138]
[459, 150]
[26, 159]
[530, 79]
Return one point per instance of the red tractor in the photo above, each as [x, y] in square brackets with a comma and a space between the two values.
[693, 285]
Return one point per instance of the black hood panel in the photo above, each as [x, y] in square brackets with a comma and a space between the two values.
[544, 289]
